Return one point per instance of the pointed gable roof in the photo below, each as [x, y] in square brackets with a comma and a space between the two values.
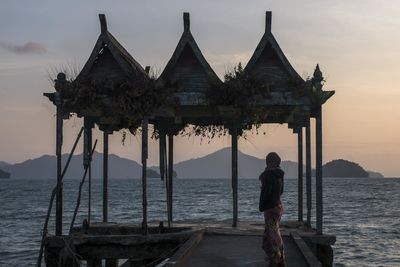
[109, 58]
[187, 66]
[268, 63]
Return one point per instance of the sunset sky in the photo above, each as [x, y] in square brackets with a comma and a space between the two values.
[356, 43]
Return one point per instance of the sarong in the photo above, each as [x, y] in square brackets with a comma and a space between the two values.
[272, 240]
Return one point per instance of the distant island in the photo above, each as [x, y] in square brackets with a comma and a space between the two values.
[4, 174]
[341, 168]
[214, 165]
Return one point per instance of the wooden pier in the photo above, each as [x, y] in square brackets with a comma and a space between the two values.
[191, 244]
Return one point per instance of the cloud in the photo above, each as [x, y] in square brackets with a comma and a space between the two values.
[27, 48]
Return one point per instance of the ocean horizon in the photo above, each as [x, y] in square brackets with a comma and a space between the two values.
[363, 213]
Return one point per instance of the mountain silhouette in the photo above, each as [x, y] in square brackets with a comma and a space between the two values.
[214, 165]
[45, 166]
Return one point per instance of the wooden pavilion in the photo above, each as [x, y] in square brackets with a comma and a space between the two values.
[112, 75]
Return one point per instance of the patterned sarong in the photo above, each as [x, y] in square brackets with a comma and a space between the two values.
[272, 240]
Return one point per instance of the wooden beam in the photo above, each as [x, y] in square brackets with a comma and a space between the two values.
[308, 173]
[234, 134]
[300, 174]
[59, 141]
[170, 176]
[318, 170]
[105, 176]
[145, 125]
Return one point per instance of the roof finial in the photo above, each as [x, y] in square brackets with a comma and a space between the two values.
[268, 21]
[103, 23]
[318, 78]
[186, 21]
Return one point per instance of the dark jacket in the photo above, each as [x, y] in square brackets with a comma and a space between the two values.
[271, 188]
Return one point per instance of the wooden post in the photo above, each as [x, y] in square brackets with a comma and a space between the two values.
[234, 134]
[300, 174]
[308, 173]
[170, 176]
[105, 176]
[162, 154]
[318, 169]
[59, 141]
[87, 148]
[145, 124]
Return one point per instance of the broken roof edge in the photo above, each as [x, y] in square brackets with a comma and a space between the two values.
[124, 59]
[268, 38]
[187, 39]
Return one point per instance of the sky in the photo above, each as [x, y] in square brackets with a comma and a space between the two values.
[355, 42]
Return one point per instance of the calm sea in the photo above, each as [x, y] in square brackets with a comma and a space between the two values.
[364, 214]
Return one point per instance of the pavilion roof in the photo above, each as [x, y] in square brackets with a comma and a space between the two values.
[109, 59]
[269, 64]
[187, 67]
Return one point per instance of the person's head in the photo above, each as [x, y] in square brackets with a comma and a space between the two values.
[273, 160]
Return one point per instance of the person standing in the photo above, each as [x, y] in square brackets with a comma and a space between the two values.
[270, 203]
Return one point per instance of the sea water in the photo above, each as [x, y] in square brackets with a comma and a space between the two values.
[364, 214]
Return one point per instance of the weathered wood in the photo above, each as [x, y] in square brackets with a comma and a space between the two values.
[145, 124]
[234, 135]
[300, 174]
[308, 173]
[318, 170]
[59, 141]
[105, 176]
[170, 177]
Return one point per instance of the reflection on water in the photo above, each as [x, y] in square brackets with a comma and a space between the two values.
[363, 213]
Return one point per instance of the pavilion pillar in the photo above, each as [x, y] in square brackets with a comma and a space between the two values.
[308, 173]
[105, 176]
[318, 169]
[234, 134]
[59, 141]
[170, 177]
[87, 147]
[300, 174]
[145, 125]
[162, 154]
